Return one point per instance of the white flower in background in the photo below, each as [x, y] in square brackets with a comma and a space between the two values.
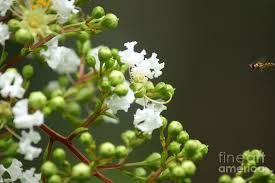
[53, 85]
[141, 67]
[15, 172]
[4, 32]
[11, 84]
[131, 57]
[5, 6]
[116, 103]
[148, 119]
[22, 118]
[94, 52]
[25, 144]
[60, 58]
[64, 8]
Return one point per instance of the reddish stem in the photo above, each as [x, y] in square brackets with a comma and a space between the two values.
[102, 177]
[153, 177]
[91, 119]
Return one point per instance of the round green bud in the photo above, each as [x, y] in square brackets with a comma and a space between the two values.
[160, 87]
[124, 68]
[174, 147]
[47, 111]
[13, 24]
[172, 165]
[97, 12]
[178, 172]
[104, 54]
[73, 108]
[5, 112]
[140, 172]
[149, 85]
[90, 60]
[85, 47]
[189, 167]
[86, 138]
[110, 21]
[23, 36]
[37, 100]
[56, 93]
[164, 122]
[115, 53]
[174, 128]
[110, 63]
[85, 94]
[121, 151]
[55, 28]
[63, 81]
[225, 179]
[59, 154]
[107, 150]
[121, 90]
[191, 147]
[81, 171]
[140, 93]
[106, 85]
[165, 174]
[27, 71]
[153, 160]
[57, 102]
[116, 77]
[49, 168]
[183, 137]
[238, 180]
[55, 179]
[83, 36]
[262, 172]
[128, 136]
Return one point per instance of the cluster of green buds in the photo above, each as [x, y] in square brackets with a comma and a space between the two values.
[250, 171]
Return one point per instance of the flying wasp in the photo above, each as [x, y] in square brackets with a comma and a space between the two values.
[263, 64]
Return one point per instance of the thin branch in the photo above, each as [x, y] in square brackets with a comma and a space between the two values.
[91, 119]
[102, 177]
[154, 176]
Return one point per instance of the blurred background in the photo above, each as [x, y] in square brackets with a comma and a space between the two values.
[206, 46]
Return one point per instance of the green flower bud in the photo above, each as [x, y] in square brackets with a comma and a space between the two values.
[189, 167]
[165, 174]
[121, 151]
[55, 179]
[104, 54]
[106, 85]
[149, 86]
[140, 172]
[115, 53]
[37, 100]
[56, 93]
[116, 77]
[191, 147]
[57, 102]
[153, 160]
[261, 172]
[110, 21]
[27, 71]
[238, 180]
[55, 28]
[23, 36]
[59, 154]
[183, 137]
[85, 47]
[49, 168]
[178, 172]
[86, 138]
[63, 81]
[225, 179]
[90, 60]
[110, 63]
[160, 87]
[6, 162]
[174, 128]
[172, 165]
[11, 150]
[81, 171]
[5, 112]
[73, 109]
[124, 68]
[85, 94]
[174, 147]
[47, 111]
[107, 150]
[83, 36]
[97, 12]
[128, 136]
[121, 90]
[13, 24]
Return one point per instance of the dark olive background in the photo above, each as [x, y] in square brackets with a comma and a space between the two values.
[206, 46]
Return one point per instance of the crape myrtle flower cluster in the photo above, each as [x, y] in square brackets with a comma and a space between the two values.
[250, 161]
[93, 84]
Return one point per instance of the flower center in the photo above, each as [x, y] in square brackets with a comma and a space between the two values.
[41, 4]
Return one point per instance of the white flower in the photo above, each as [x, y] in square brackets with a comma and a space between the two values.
[60, 58]
[64, 8]
[5, 6]
[141, 67]
[149, 118]
[116, 103]
[94, 52]
[15, 172]
[131, 57]
[4, 32]
[25, 144]
[22, 119]
[10, 84]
